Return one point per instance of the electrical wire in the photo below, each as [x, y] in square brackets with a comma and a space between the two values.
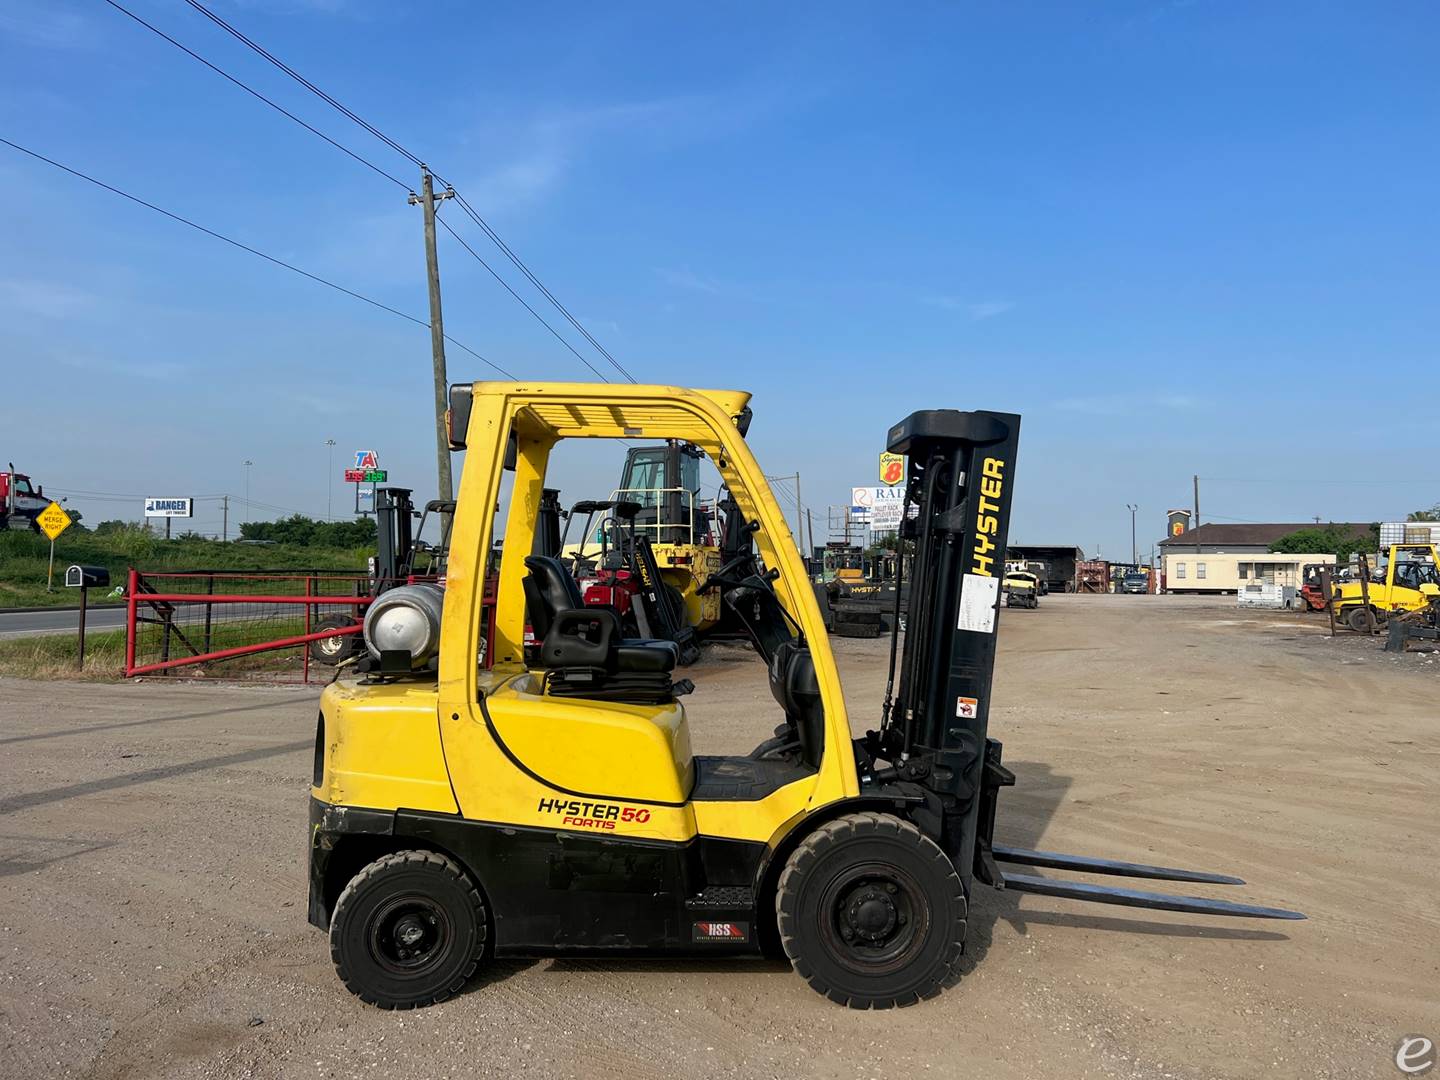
[461, 240]
[256, 94]
[469, 210]
[509, 254]
[243, 247]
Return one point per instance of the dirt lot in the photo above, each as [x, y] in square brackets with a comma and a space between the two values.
[152, 890]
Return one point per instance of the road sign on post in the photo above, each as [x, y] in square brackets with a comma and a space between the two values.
[53, 521]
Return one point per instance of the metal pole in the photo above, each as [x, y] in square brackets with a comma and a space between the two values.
[1134, 551]
[248, 463]
[330, 483]
[225, 517]
[799, 512]
[50, 574]
[1365, 593]
[80, 645]
[437, 330]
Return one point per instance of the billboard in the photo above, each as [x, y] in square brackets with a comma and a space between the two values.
[160, 507]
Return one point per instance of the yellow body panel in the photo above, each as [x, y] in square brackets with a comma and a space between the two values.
[1389, 595]
[382, 748]
[598, 747]
[565, 763]
[687, 567]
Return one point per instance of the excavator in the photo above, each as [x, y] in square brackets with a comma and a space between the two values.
[472, 802]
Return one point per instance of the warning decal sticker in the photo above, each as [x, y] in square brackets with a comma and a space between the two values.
[978, 597]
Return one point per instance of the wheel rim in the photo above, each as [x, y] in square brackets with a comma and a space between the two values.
[874, 918]
[330, 646]
[409, 935]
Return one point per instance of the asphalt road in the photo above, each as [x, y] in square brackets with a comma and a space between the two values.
[49, 621]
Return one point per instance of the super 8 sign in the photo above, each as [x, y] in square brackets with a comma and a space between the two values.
[892, 468]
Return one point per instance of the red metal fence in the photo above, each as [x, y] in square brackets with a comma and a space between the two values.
[184, 618]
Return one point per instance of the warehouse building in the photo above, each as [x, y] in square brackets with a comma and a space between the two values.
[1059, 563]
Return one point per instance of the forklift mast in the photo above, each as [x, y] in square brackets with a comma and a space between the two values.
[961, 480]
[394, 537]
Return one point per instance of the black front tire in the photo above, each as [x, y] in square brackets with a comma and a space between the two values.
[871, 912]
[409, 929]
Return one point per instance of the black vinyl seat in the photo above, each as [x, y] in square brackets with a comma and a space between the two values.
[796, 688]
[581, 649]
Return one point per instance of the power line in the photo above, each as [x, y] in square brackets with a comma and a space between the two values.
[470, 211]
[505, 248]
[237, 244]
[461, 240]
[256, 94]
[288, 70]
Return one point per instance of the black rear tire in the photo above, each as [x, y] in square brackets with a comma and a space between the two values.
[333, 650]
[871, 912]
[1358, 619]
[409, 929]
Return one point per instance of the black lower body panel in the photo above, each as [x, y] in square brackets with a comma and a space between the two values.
[554, 892]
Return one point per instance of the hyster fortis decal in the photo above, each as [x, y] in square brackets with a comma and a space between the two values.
[579, 814]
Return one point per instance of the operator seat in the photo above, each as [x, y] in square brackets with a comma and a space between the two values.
[581, 648]
[795, 687]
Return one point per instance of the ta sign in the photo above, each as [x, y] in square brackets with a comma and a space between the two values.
[367, 459]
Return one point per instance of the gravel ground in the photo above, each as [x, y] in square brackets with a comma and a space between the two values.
[152, 889]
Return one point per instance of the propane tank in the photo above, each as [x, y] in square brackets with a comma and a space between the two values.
[408, 618]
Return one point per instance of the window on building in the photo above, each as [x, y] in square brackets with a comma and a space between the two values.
[1244, 570]
[1200, 570]
[1180, 570]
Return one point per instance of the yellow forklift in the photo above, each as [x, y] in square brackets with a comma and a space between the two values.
[1409, 581]
[464, 810]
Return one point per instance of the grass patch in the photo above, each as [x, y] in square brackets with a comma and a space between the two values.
[53, 656]
[24, 557]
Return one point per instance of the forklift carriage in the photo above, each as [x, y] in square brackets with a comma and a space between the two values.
[463, 812]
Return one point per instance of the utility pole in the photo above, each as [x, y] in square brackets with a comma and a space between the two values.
[224, 517]
[426, 199]
[1134, 551]
[248, 463]
[799, 513]
[330, 482]
[1196, 479]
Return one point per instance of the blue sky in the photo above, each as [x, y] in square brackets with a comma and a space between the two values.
[1178, 237]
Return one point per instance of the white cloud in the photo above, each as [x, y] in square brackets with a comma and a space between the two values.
[44, 25]
[978, 310]
[1127, 404]
[45, 299]
[684, 278]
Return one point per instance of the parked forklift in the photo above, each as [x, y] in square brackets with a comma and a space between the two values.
[465, 810]
[1408, 581]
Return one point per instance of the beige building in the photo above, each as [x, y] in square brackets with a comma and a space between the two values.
[1225, 557]
[1221, 572]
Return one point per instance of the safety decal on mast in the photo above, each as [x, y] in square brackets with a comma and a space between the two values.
[978, 598]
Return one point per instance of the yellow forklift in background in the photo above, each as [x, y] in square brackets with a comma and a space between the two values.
[1409, 581]
[472, 802]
